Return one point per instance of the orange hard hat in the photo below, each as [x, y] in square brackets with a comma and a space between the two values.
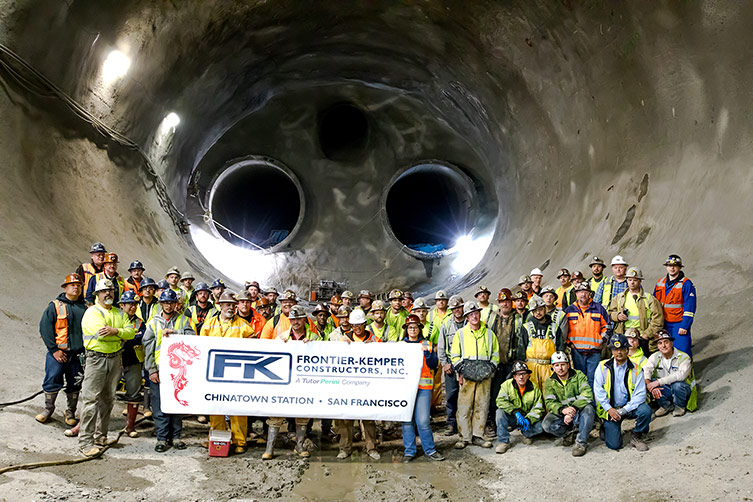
[412, 319]
[336, 300]
[72, 279]
[111, 258]
[263, 302]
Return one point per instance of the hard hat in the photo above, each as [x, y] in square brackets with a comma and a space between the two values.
[455, 302]
[135, 264]
[244, 295]
[335, 300]
[549, 289]
[563, 271]
[673, 259]
[252, 283]
[618, 341]
[168, 295]
[378, 305]
[560, 357]
[520, 295]
[97, 247]
[358, 316]
[187, 275]
[71, 279]
[634, 273]
[420, 304]
[128, 297]
[440, 295]
[147, 281]
[470, 307]
[365, 293]
[201, 286]
[263, 303]
[578, 275]
[103, 285]
[619, 260]
[171, 271]
[412, 319]
[343, 311]
[271, 290]
[504, 294]
[227, 297]
[536, 302]
[217, 283]
[523, 279]
[482, 289]
[289, 295]
[163, 284]
[395, 294]
[520, 366]
[111, 258]
[596, 261]
[408, 295]
[536, 271]
[632, 333]
[348, 294]
[583, 286]
[296, 312]
[320, 307]
[663, 334]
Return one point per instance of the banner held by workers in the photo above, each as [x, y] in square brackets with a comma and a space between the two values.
[234, 376]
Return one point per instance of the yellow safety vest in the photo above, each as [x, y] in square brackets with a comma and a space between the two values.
[631, 375]
[159, 323]
[633, 320]
[96, 318]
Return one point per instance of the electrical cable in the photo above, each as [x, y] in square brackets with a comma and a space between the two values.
[22, 400]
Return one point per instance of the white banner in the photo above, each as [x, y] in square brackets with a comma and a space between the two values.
[202, 375]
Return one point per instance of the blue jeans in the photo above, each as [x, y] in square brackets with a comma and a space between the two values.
[165, 426]
[676, 393]
[55, 371]
[587, 363]
[504, 419]
[555, 424]
[682, 342]
[451, 389]
[421, 419]
[613, 430]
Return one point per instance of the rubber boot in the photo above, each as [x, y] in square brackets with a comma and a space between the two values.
[49, 407]
[269, 453]
[73, 432]
[130, 428]
[147, 402]
[300, 437]
[70, 413]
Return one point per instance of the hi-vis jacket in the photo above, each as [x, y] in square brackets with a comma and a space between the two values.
[152, 340]
[97, 317]
[480, 344]
[234, 328]
[530, 404]
[586, 327]
[574, 392]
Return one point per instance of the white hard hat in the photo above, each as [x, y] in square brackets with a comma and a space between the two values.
[560, 357]
[357, 317]
[619, 260]
[536, 302]
[536, 271]
[103, 285]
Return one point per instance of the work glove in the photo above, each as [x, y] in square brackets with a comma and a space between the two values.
[520, 419]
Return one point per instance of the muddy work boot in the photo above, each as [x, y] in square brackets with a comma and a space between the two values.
[300, 438]
[502, 447]
[73, 431]
[70, 412]
[579, 450]
[568, 439]
[664, 411]
[639, 441]
[130, 428]
[269, 453]
[49, 407]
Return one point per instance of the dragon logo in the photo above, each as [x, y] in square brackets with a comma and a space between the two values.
[181, 356]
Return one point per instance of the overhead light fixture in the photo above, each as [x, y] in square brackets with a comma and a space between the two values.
[115, 66]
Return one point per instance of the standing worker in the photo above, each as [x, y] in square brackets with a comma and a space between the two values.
[538, 339]
[186, 285]
[379, 328]
[148, 304]
[132, 360]
[537, 276]
[396, 314]
[321, 315]
[597, 269]
[676, 293]
[565, 286]
[635, 308]
[587, 328]
[133, 283]
[88, 270]
[447, 332]
[487, 308]
[249, 314]
[110, 273]
[610, 288]
[172, 277]
[504, 326]
[202, 308]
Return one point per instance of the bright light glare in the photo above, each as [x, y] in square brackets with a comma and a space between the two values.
[469, 252]
[169, 123]
[116, 65]
[236, 263]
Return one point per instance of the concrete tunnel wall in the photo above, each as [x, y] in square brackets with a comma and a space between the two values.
[588, 128]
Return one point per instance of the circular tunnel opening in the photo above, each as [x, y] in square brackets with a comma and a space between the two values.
[256, 203]
[343, 132]
[429, 207]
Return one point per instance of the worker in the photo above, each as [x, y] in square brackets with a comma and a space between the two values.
[439, 313]
[565, 286]
[676, 293]
[525, 284]
[148, 305]
[520, 302]
[413, 329]
[520, 405]
[379, 328]
[357, 321]
[104, 328]
[202, 308]
[487, 308]
[254, 291]
[162, 285]
[186, 285]
[348, 297]
[86, 271]
[430, 331]
[407, 301]
[670, 378]
[280, 322]
[60, 329]
[505, 326]
[538, 339]
[620, 392]
[475, 355]
[421, 309]
[132, 360]
[549, 295]
[587, 328]
[597, 269]
[334, 305]
[364, 300]
[298, 331]
[635, 351]
[110, 273]
[343, 329]
[321, 314]
[569, 403]
[396, 314]
[217, 288]
[537, 276]
[133, 283]
[271, 294]
[228, 325]
[249, 314]
[575, 278]
[167, 427]
[447, 331]
[636, 308]
[613, 286]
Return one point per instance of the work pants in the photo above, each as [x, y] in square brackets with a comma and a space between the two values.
[278, 421]
[676, 393]
[587, 361]
[499, 377]
[682, 342]
[473, 406]
[55, 372]
[436, 394]
[584, 420]
[132, 375]
[166, 427]
[451, 389]
[504, 420]
[613, 430]
[238, 427]
[422, 422]
[345, 429]
[97, 396]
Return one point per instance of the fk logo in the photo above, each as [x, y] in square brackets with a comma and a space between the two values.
[240, 366]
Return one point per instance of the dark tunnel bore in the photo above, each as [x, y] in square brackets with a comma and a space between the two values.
[343, 132]
[262, 216]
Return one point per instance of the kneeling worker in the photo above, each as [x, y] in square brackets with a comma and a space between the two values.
[670, 378]
[519, 402]
[568, 399]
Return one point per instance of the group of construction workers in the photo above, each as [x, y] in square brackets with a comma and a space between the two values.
[562, 361]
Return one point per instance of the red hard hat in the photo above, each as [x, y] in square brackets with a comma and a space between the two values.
[412, 319]
[504, 294]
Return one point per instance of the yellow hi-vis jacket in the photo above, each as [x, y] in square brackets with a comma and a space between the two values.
[97, 317]
[235, 328]
[481, 344]
[152, 340]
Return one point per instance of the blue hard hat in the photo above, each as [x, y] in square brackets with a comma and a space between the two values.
[168, 295]
[201, 286]
[618, 341]
[147, 281]
[136, 264]
[128, 297]
[217, 283]
[97, 247]
[163, 284]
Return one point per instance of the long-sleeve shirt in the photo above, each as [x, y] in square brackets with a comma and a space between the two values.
[668, 371]
[446, 333]
[96, 318]
[688, 300]
[619, 391]
[616, 288]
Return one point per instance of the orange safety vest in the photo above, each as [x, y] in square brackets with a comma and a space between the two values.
[89, 272]
[427, 377]
[671, 300]
[128, 286]
[61, 325]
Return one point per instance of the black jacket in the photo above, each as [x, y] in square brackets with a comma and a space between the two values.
[76, 312]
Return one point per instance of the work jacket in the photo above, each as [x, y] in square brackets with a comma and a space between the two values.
[644, 315]
[574, 392]
[480, 344]
[130, 284]
[117, 281]
[97, 317]
[506, 329]
[234, 328]
[60, 325]
[385, 334]
[428, 364]
[147, 311]
[678, 300]
[586, 327]
[396, 321]
[678, 368]
[638, 358]
[256, 320]
[530, 404]
[153, 337]
[446, 334]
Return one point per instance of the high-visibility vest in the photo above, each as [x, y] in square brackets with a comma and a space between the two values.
[672, 302]
[132, 286]
[151, 310]
[551, 331]
[179, 324]
[633, 320]
[639, 359]
[114, 318]
[435, 318]
[197, 319]
[89, 272]
[61, 325]
[426, 381]
[606, 295]
[383, 334]
[595, 283]
[310, 335]
[631, 376]
[466, 330]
